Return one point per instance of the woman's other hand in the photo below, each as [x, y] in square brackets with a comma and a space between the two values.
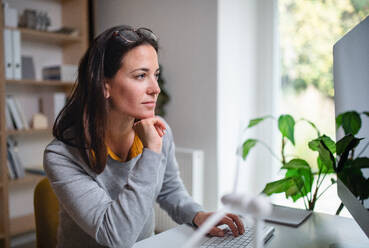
[231, 220]
[150, 131]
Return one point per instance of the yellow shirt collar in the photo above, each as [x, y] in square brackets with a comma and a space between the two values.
[136, 149]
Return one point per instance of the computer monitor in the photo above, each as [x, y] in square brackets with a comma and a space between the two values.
[351, 85]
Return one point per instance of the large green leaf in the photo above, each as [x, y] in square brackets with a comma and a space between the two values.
[339, 121]
[279, 186]
[286, 125]
[345, 146]
[297, 164]
[256, 121]
[326, 156]
[361, 163]
[304, 181]
[322, 167]
[246, 147]
[314, 144]
[366, 113]
[347, 142]
[351, 122]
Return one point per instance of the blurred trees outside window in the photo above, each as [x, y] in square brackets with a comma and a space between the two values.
[308, 30]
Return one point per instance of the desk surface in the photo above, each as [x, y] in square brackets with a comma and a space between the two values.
[319, 230]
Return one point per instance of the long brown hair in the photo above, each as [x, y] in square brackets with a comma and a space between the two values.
[82, 121]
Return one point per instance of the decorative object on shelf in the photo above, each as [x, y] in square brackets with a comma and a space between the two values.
[28, 68]
[299, 178]
[10, 16]
[64, 73]
[66, 30]
[52, 104]
[163, 97]
[39, 121]
[35, 19]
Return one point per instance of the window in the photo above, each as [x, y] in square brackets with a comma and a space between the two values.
[308, 30]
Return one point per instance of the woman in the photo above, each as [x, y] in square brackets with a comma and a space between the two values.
[112, 157]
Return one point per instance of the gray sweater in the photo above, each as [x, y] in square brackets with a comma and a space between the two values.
[115, 208]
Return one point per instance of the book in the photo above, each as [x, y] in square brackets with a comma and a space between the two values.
[11, 171]
[65, 73]
[36, 170]
[16, 52]
[10, 103]
[21, 113]
[8, 54]
[9, 121]
[14, 158]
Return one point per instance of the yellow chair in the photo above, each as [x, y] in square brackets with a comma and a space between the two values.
[46, 214]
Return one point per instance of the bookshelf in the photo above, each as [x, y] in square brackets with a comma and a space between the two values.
[71, 13]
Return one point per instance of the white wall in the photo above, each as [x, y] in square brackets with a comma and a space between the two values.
[246, 88]
[237, 74]
[188, 39]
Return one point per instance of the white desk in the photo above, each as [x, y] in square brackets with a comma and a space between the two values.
[318, 231]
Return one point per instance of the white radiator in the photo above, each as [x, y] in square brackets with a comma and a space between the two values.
[190, 163]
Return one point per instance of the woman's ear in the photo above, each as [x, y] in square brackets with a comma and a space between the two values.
[106, 89]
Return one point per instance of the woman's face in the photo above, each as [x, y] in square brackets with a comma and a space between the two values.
[134, 89]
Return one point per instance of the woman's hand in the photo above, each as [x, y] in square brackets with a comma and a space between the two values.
[231, 220]
[150, 131]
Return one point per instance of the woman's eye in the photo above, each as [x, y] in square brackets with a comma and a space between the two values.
[141, 76]
[157, 76]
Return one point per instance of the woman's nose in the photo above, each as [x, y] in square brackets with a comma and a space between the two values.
[154, 89]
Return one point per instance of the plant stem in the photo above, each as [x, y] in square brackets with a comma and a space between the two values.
[270, 150]
[282, 151]
[322, 179]
[324, 191]
[313, 201]
[352, 153]
[317, 181]
[339, 209]
[311, 124]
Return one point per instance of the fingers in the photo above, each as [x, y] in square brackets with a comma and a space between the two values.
[215, 231]
[160, 131]
[238, 222]
[229, 222]
[159, 123]
[159, 126]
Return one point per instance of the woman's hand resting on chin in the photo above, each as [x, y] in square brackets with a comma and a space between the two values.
[150, 131]
[231, 220]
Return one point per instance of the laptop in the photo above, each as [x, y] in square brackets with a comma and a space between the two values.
[244, 240]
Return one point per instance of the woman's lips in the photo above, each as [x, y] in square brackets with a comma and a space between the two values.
[151, 104]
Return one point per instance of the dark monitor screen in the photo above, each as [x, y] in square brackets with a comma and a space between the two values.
[351, 84]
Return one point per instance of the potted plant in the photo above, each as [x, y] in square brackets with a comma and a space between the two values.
[300, 180]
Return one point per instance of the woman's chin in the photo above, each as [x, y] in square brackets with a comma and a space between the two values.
[145, 115]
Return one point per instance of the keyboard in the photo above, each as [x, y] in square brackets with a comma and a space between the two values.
[244, 240]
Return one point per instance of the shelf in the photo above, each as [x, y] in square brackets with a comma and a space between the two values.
[53, 83]
[47, 37]
[22, 224]
[28, 179]
[29, 131]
